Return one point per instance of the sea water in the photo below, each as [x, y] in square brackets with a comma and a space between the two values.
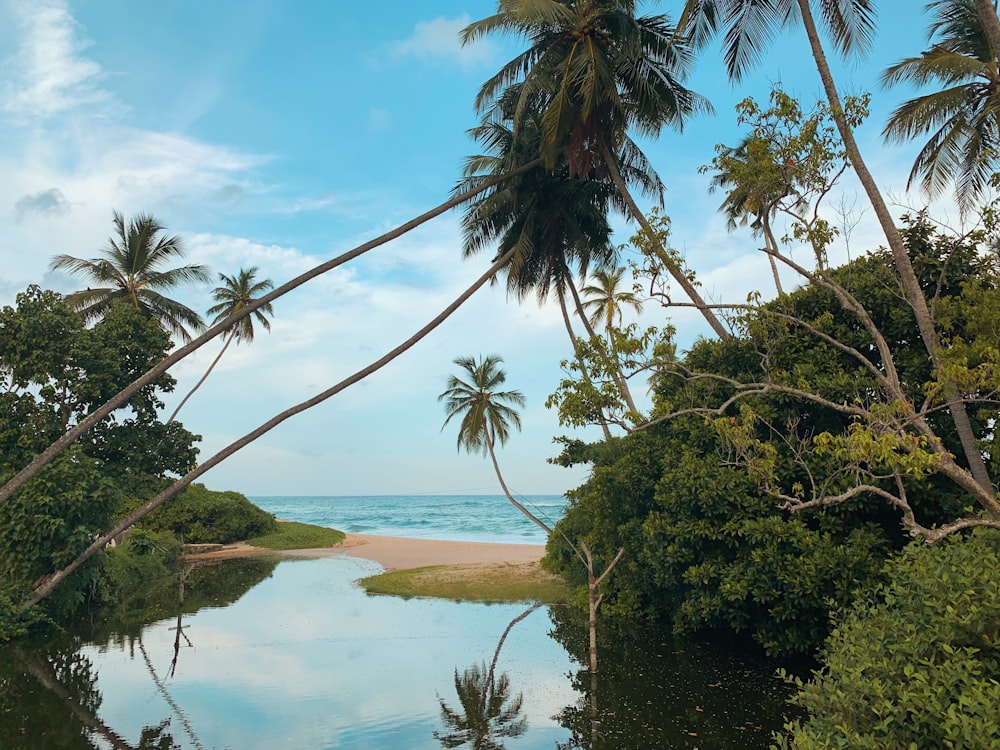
[463, 518]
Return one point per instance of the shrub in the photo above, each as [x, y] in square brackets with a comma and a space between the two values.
[202, 516]
[916, 664]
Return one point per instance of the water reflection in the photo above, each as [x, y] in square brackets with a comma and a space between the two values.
[298, 656]
[489, 710]
[653, 691]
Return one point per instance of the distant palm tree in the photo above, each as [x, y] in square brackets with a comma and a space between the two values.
[486, 413]
[235, 293]
[132, 269]
[605, 299]
[963, 117]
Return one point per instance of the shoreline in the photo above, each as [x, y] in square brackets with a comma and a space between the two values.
[396, 552]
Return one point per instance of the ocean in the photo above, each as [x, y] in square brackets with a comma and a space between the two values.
[462, 518]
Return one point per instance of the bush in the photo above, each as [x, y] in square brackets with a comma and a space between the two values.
[202, 516]
[917, 664]
[134, 565]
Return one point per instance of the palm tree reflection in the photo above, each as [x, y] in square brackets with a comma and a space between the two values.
[489, 711]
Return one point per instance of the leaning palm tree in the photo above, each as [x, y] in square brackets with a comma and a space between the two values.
[747, 26]
[487, 414]
[132, 267]
[963, 117]
[592, 71]
[236, 293]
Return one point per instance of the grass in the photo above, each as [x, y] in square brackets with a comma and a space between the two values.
[295, 535]
[488, 582]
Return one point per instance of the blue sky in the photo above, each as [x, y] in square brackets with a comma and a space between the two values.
[280, 134]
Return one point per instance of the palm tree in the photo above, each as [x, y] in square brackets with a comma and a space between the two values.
[132, 268]
[605, 299]
[962, 117]
[487, 414]
[747, 26]
[592, 71]
[236, 293]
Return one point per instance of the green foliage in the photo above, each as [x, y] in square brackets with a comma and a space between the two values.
[917, 663]
[694, 498]
[144, 558]
[203, 516]
[295, 535]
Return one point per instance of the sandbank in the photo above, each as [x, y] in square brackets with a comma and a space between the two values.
[399, 553]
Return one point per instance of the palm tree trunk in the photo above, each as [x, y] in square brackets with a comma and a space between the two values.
[676, 272]
[53, 582]
[904, 267]
[772, 245]
[584, 374]
[503, 485]
[987, 11]
[616, 373]
[71, 436]
[490, 675]
[229, 340]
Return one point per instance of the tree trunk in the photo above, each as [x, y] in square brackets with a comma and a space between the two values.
[908, 278]
[584, 374]
[36, 465]
[616, 374]
[490, 675]
[772, 245]
[987, 11]
[229, 340]
[594, 599]
[676, 272]
[46, 588]
[503, 485]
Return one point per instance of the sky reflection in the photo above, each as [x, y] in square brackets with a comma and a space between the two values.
[307, 660]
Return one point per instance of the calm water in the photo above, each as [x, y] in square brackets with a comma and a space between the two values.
[464, 518]
[295, 655]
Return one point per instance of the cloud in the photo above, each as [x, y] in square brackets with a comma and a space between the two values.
[439, 40]
[50, 74]
[49, 202]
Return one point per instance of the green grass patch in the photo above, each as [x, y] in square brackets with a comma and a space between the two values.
[295, 535]
[489, 582]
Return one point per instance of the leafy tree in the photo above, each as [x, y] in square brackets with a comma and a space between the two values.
[236, 293]
[592, 71]
[962, 117]
[747, 26]
[131, 267]
[489, 711]
[914, 663]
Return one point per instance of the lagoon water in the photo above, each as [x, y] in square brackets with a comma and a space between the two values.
[463, 518]
[291, 653]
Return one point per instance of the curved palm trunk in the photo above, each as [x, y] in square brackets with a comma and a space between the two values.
[904, 267]
[229, 340]
[503, 485]
[53, 582]
[584, 373]
[616, 373]
[676, 273]
[987, 11]
[36, 465]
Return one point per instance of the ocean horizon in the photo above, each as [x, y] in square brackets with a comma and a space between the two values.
[460, 518]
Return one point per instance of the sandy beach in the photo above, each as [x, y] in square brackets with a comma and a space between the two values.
[400, 553]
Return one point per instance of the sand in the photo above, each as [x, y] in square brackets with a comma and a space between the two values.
[400, 553]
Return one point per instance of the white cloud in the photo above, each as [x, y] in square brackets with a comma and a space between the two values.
[49, 202]
[50, 73]
[439, 40]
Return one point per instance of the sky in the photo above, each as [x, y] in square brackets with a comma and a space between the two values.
[278, 135]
